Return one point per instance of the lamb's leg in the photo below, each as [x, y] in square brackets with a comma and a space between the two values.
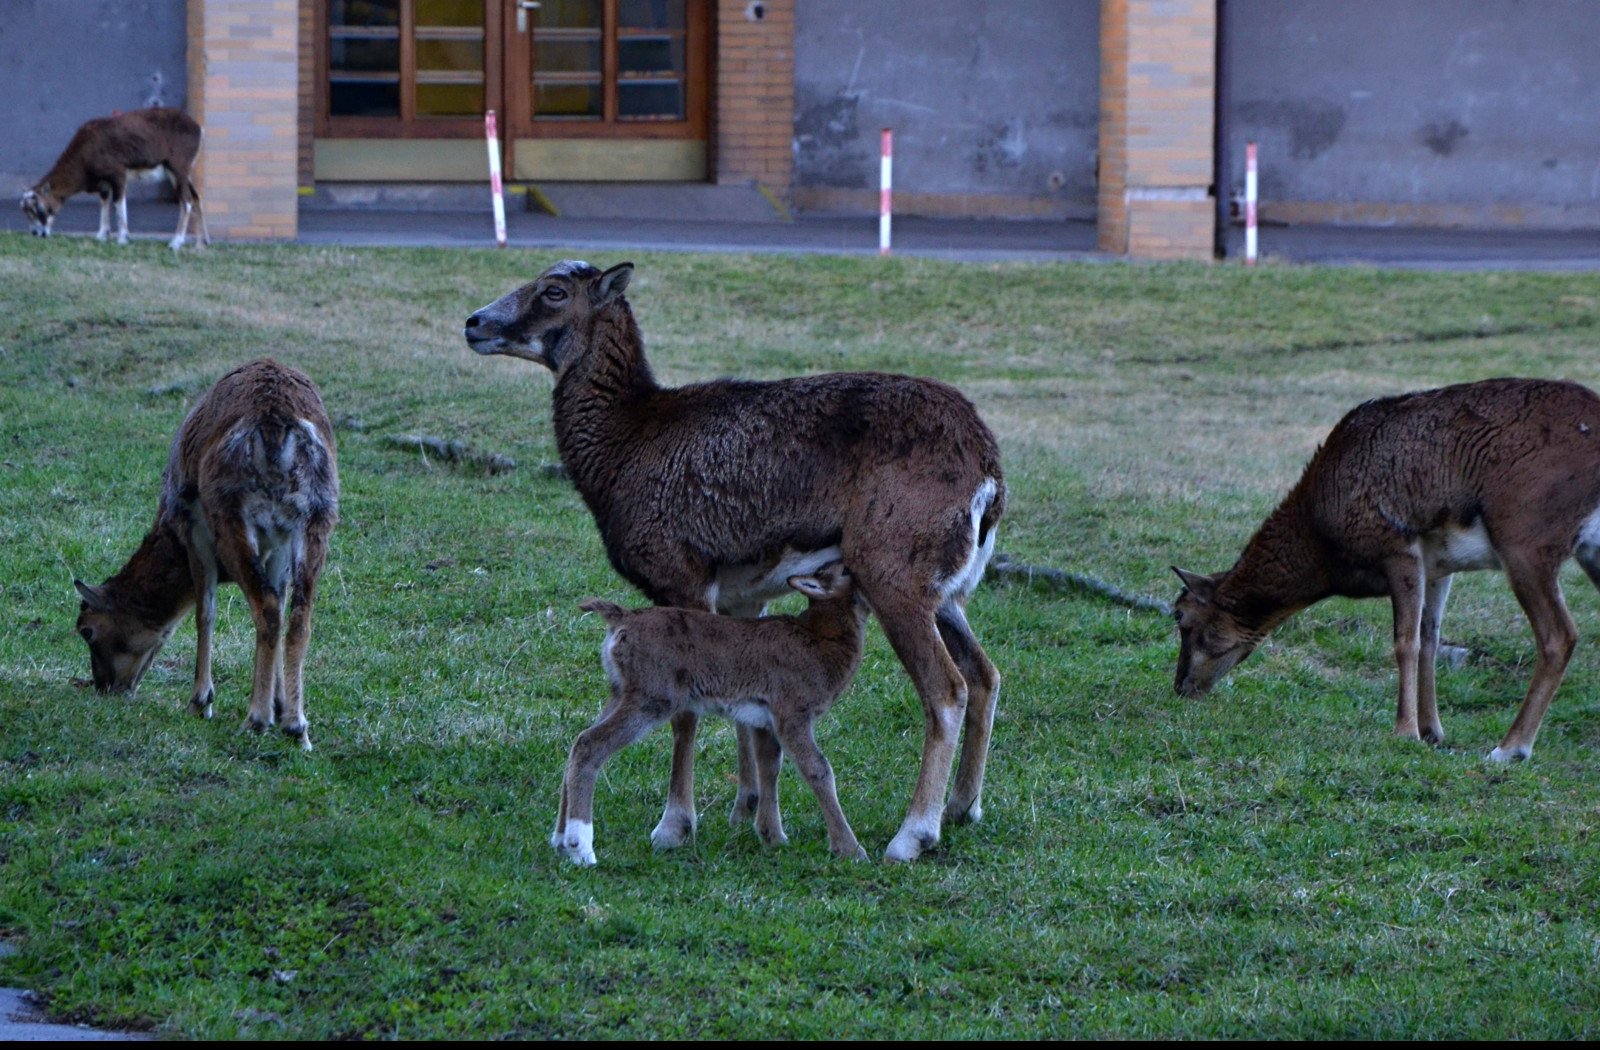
[620, 724]
[678, 819]
[748, 798]
[801, 743]
[983, 691]
[768, 754]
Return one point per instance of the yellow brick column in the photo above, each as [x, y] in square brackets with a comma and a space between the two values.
[1157, 79]
[753, 134]
[244, 90]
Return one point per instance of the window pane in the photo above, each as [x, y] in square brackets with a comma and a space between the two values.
[364, 13]
[449, 100]
[364, 98]
[566, 56]
[651, 14]
[641, 56]
[649, 100]
[364, 55]
[567, 101]
[567, 14]
[450, 13]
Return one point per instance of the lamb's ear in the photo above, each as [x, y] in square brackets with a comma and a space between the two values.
[612, 283]
[92, 596]
[809, 586]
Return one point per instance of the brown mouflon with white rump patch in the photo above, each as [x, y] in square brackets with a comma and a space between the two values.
[710, 496]
[250, 495]
[101, 156]
[780, 673]
[1405, 492]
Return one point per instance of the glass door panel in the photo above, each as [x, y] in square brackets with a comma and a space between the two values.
[449, 58]
[651, 42]
[569, 61]
[364, 58]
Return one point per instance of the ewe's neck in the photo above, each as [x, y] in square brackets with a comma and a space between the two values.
[155, 585]
[600, 398]
[1283, 569]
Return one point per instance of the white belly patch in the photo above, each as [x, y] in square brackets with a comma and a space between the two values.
[1456, 549]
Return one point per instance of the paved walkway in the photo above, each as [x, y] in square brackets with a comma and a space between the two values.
[19, 1021]
[963, 239]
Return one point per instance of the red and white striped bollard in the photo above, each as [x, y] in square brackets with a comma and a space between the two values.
[494, 179]
[1250, 204]
[885, 179]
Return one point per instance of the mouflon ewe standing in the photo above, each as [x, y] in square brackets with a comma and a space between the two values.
[1405, 492]
[710, 496]
[250, 495]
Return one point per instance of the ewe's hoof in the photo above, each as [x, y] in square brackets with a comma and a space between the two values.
[772, 836]
[577, 842]
[908, 845]
[1516, 754]
[744, 808]
[675, 829]
[963, 813]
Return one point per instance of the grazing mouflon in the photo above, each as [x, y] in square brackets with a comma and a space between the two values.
[250, 495]
[1405, 492]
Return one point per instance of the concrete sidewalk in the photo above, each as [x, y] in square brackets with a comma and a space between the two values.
[971, 240]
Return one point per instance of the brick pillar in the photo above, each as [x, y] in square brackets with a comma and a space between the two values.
[244, 90]
[1157, 76]
[754, 100]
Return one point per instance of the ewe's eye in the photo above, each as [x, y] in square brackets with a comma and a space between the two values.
[555, 293]
[87, 633]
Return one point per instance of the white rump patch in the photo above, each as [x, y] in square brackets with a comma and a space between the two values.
[966, 579]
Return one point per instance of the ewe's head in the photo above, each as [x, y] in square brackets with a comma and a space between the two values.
[533, 321]
[40, 208]
[1211, 641]
[121, 645]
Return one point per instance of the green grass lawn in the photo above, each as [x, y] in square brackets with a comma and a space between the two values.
[1266, 862]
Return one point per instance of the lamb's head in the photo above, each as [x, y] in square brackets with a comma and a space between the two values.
[40, 206]
[121, 645]
[831, 582]
[1211, 641]
[534, 321]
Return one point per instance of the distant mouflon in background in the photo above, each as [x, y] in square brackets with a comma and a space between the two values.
[102, 155]
[1405, 492]
[711, 496]
[250, 495]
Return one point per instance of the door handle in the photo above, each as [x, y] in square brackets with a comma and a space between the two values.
[523, 7]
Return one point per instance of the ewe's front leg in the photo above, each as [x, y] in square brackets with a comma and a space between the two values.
[104, 233]
[1436, 594]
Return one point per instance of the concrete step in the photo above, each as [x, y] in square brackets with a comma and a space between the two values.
[680, 201]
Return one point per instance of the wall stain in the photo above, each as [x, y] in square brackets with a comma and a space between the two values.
[1442, 138]
[827, 143]
[1313, 125]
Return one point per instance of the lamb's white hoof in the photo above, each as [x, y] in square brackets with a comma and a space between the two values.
[578, 843]
[1516, 754]
[175, 243]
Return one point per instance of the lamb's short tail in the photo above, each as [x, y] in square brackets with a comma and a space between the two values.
[612, 612]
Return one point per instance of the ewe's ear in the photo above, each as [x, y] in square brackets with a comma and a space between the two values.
[612, 283]
[1202, 587]
[92, 596]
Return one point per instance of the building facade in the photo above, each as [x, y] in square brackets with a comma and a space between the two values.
[1434, 112]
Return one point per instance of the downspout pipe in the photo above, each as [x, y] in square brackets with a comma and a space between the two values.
[1221, 169]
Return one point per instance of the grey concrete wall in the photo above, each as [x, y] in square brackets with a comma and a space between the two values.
[989, 97]
[65, 61]
[1449, 110]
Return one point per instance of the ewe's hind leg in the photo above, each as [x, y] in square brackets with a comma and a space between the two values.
[1555, 635]
[292, 678]
[908, 622]
[1435, 594]
[983, 691]
[104, 233]
[266, 609]
[1405, 577]
[620, 724]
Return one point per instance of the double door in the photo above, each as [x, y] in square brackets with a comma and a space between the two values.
[584, 89]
